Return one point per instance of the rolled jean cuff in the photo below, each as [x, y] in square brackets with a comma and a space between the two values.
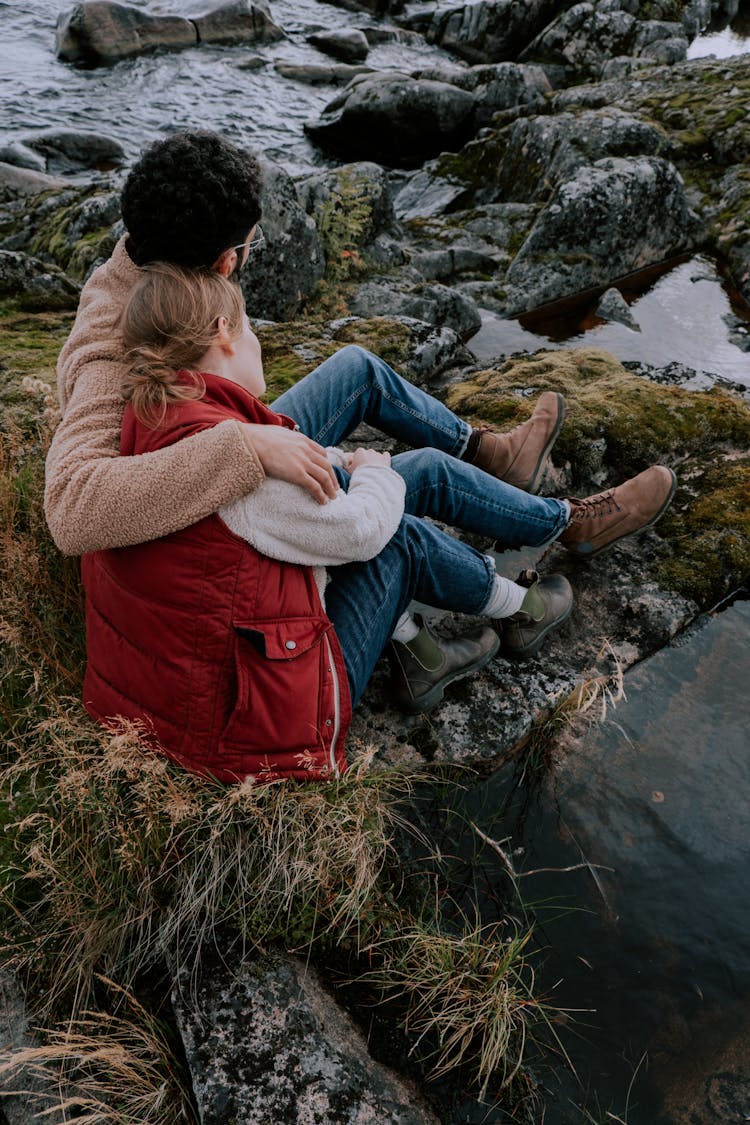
[463, 440]
[561, 524]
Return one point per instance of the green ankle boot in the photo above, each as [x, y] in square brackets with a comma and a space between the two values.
[547, 604]
[423, 667]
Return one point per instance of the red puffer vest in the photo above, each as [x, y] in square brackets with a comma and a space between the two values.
[225, 654]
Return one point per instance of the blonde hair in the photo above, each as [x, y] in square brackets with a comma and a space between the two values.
[169, 323]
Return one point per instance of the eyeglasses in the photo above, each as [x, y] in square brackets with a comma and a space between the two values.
[258, 242]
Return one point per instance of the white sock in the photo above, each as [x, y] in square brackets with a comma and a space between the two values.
[406, 629]
[505, 599]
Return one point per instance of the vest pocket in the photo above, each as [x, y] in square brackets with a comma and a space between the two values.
[279, 670]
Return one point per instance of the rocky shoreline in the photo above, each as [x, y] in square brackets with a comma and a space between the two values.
[561, 153]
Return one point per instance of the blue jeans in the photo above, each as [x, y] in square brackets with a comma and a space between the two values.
[364, 600]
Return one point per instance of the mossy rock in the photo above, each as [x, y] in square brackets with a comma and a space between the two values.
[78, 234]
[707, 534]
[31, 344]
[293, 350]
[389, 339]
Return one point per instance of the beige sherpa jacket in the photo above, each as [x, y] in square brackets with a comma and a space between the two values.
[94, 498]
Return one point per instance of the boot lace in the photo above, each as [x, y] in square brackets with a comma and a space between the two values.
[603, 504]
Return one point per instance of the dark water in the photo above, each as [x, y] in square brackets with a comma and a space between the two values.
[650, 950]
[140, 99]
[684, 317]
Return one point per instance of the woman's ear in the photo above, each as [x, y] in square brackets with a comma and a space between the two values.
[224, 338]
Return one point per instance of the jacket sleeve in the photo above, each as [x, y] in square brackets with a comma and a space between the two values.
[283, 521]
[95, 499]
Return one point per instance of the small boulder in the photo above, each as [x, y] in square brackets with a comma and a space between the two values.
[496, 87]
[22, 156]
[612, 306]
[101, 32]
[238, 21]
[347, 46]
[335, 75]
[67, 151]
[438, 305]
[394, 119]
[35, 284]
[16, 182]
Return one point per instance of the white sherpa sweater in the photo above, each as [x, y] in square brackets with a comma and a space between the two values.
[283, 521]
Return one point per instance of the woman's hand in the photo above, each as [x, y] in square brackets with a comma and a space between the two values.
[289, 455]
[369, 457]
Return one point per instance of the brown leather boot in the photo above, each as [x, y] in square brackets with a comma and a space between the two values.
[520, 456]
[599, 521]
[423, 668]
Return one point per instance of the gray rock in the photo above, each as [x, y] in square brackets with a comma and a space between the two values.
[496, 87]
[435, 304]
[238, 21]
[18, 182]
[100, 32]
[349, 46]
[35, 284]
[613, 306]
[336, 75]
[609, 220]
[425, 195]
[487, 31]
[432, 351]
[582, 39]
[541, 152]
[266, 1044]
[67, 151]
[20, 155]
[279, 276]
[442, 265]
[394, 119]
[38, 1096]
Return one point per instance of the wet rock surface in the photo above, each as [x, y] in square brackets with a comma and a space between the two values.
[100, 33]
[394, 119]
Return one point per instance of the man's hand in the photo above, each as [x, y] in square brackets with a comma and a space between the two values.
[289, 455]
[369, 457]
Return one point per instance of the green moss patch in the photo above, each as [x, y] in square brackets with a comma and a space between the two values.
[707, 534]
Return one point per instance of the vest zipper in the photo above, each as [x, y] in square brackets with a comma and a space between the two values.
[336, 708]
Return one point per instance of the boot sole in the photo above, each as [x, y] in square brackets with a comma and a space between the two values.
[532, 485]
[431, 698]
[536, 644]
[605, 546]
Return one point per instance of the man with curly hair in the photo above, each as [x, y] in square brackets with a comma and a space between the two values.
[195, 200]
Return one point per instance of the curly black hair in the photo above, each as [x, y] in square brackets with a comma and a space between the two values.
[189, 198]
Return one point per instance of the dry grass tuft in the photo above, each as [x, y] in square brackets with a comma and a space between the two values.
[104, 1068]
[120, 855]
[468, 992]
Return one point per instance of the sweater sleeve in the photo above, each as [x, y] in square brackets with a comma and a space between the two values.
[283, 521]
[95, 499]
